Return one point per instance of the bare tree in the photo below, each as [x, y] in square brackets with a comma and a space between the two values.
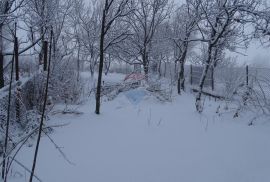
[162, 48]
[260, 19]
[184, 30]
[8, 10]
[113, 11]
[39, 16]
[220, 29]
[144, 21]
[43, 111]
[86, 30]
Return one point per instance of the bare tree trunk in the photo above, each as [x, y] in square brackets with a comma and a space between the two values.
[92, 71]
[181, 77]
[42, 30]
[78, 62]
[159, 68]
[108, 65]
[105, 27]
[16, 52]
[175, 70]
[107, 68]
[145, 63]
[17, 76]
[45, 54]
[247, 75]
[2, 83]
[101, 61]
[165, 69]
[191, 75]
[212, 78]
[145, 67]
[201, 84]
[43, 112]
[8, 122]
[92, 67]
[5, 7]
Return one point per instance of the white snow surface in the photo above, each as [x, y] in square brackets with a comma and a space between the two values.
[140, 139]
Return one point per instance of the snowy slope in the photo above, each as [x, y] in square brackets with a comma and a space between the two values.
[139, 139]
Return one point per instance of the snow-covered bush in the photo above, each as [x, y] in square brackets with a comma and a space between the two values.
[64, 86]
[255, 97]
[229, 80]
[21, 120]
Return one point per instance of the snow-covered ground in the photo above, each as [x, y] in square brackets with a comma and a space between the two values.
[140, 139]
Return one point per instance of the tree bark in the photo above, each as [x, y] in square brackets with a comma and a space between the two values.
[7, 123]
[78, 61]
[145, 64]
[16, 52]
[101, 61]
[2, 82]
[17, 77]
[181, 77]
[45, 55]
[159, 68]
[165, 69]
[43, 112]
[108, 65]
[201, 84]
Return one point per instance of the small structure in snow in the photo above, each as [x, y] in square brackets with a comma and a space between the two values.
[134, 77]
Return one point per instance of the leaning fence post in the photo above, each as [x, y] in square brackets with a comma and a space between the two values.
[247, 79]
[212, 79]
[191, 72]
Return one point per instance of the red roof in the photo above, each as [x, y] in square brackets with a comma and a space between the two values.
[134, 77]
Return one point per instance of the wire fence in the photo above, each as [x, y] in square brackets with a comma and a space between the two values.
[223, 81]
[227, 81]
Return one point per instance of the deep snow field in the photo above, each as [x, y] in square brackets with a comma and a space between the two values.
[138, 138]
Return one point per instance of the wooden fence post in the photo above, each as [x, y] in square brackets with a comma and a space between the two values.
[212, 79]
[191, 72]
[247, 75]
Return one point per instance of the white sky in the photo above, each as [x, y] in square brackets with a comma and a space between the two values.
[256, 55]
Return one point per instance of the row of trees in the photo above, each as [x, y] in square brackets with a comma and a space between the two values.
[95, 33]
[154, 30]
[141, 31]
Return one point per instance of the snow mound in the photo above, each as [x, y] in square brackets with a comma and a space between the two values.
[136, 96]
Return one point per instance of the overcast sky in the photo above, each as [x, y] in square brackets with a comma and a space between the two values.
[256, 55]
